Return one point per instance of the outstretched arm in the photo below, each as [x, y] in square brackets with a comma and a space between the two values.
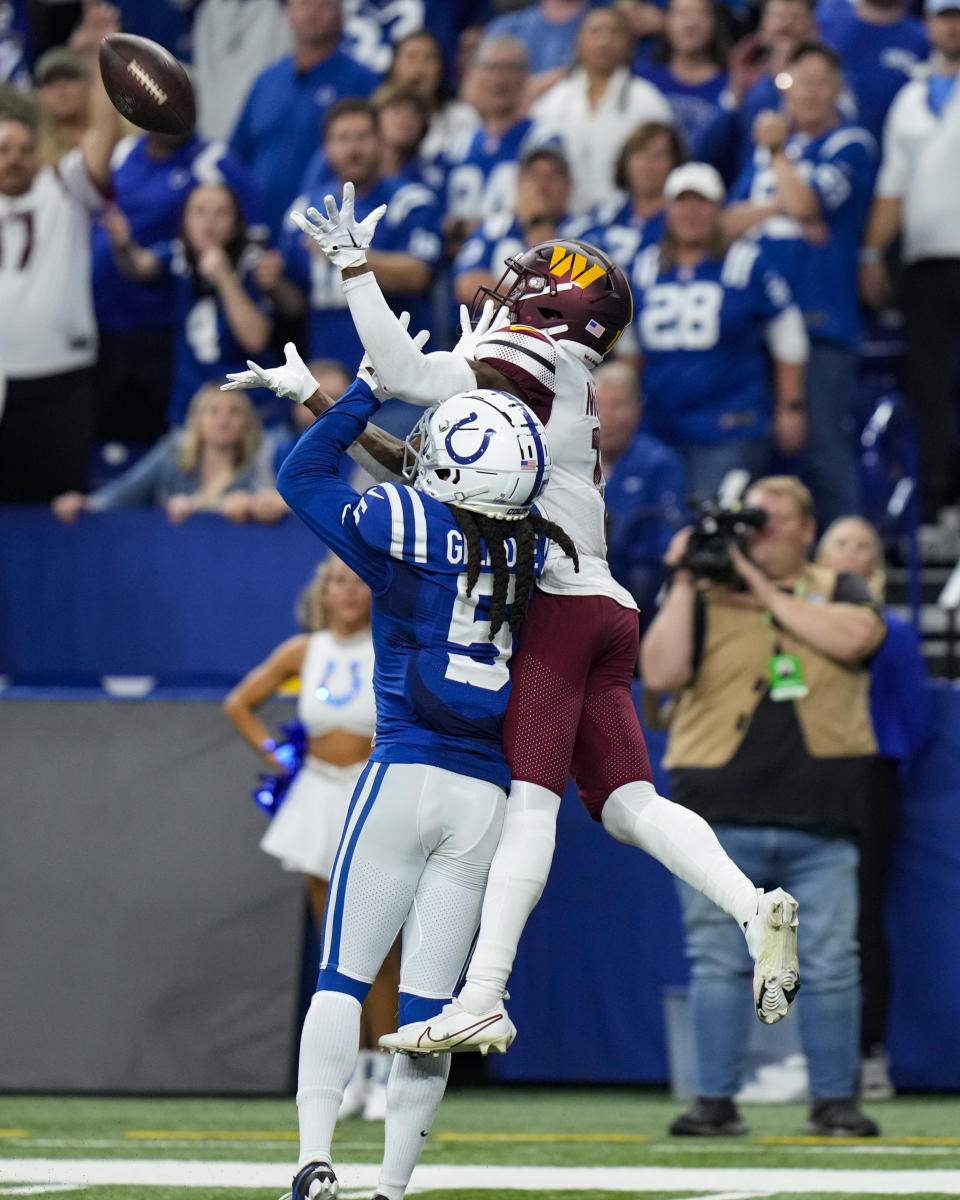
[379, 453]
[403, 371]
[310, 483]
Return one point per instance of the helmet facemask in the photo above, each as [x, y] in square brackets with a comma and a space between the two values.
[481, 450]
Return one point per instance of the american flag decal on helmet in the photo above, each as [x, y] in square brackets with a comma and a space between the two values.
[595, 328]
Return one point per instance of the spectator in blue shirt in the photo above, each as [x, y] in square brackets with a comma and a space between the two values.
[408, 244]
[689, 67]
[759, 60]
[168, 22]
[152, 175]
[280, 125]
[881, 44]
[549, 28]
[806, 194]
[706, 317]
[900, 712]
[14, 43]
[482, 171]
[646, 488]
[220, 316]
[377, 27]
[540, 212]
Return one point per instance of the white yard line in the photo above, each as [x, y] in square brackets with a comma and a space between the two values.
[698, 1180]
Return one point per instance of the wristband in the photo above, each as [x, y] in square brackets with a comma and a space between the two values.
[870, 254]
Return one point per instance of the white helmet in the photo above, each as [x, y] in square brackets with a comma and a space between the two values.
[482, 450]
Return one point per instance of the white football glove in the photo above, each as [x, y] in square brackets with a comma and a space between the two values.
[368, 372]
[292, 380]
[339, 235]
[489, 321]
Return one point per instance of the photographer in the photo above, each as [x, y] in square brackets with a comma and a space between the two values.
[771, 742]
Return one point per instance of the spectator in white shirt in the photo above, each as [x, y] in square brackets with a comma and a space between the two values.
[592, 111]
[48, 338]
[916, 196]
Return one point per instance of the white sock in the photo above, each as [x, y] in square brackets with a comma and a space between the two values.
[328, 1054]
[683, 842]
[517, 876]
[414, 1091]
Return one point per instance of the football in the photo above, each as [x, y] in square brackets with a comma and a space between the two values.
[147, 84]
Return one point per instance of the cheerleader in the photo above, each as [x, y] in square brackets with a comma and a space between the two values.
[334, 662]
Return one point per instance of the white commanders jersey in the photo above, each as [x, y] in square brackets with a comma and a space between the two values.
[48, 324]
[560, 390]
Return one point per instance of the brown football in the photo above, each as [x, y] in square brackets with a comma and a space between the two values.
[147, 84]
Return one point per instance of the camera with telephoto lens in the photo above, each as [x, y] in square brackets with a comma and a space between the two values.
[715, 529]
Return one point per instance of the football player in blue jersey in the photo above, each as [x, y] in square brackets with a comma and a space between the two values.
[451, 562]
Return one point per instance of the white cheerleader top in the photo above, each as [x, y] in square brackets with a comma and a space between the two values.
[336, 684]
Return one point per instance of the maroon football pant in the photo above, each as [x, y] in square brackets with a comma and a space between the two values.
[571, 707]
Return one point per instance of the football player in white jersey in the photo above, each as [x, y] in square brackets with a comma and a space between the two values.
[571, 709]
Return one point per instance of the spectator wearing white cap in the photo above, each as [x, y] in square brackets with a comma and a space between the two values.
[916, 196]
[709, 317]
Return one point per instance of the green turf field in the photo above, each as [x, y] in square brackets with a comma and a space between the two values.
[512, 1143]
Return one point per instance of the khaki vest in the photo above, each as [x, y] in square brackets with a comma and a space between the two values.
[713, 713]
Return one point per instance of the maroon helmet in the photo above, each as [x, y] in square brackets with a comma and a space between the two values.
[569, 289]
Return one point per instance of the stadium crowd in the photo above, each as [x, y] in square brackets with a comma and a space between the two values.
[486, 128]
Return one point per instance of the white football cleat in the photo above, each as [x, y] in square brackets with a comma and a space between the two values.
[771, 935]
[454, 1030]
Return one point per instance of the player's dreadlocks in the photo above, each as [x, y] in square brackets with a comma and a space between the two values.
[495, 533]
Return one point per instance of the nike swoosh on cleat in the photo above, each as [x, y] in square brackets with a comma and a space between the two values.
[461, 1034]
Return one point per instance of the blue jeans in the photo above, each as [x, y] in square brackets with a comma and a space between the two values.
[831, 458]
[821, 873]
[706, 465]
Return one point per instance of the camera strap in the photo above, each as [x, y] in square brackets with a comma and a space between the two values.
[785, 670]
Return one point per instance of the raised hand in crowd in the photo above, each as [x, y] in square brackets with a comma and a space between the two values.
[99, 20]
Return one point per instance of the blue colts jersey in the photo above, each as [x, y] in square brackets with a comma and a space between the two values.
[441, 684]
[409, 226]
[840, 167]
[702, 333]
